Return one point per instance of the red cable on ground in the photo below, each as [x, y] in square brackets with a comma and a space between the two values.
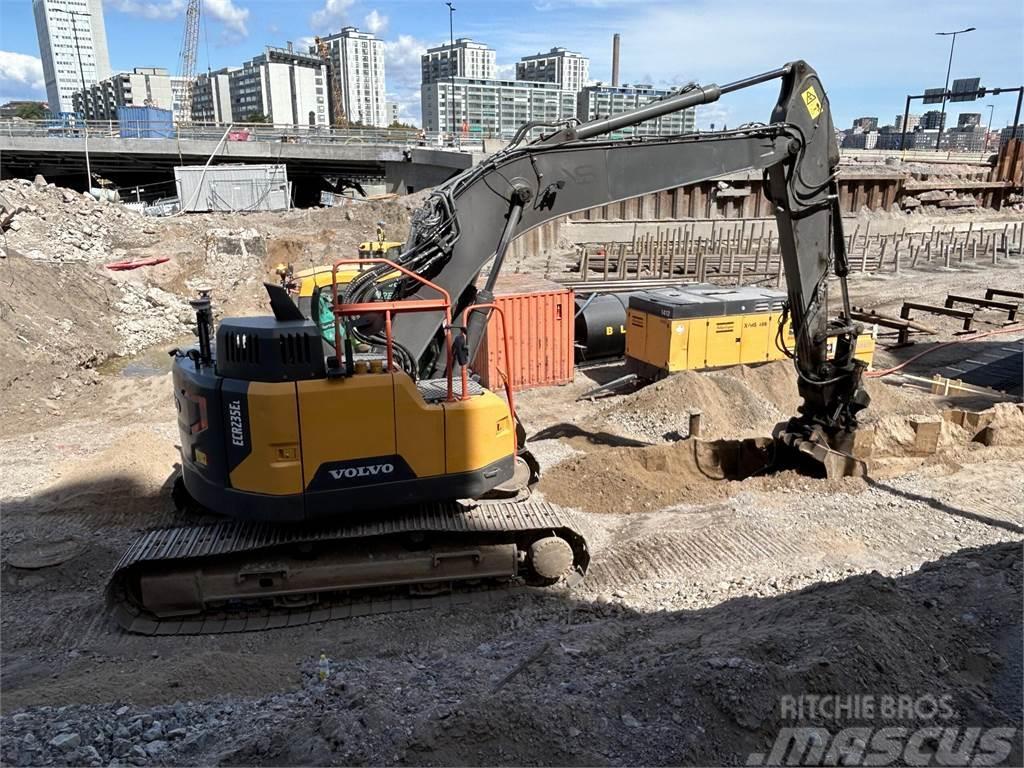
[887, 371]
[121, 266]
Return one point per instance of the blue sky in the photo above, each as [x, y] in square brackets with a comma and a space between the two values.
[870, 54]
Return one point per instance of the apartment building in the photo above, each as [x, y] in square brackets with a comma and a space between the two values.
[467, 58]
[142, 87]
[286, 86]
[598, 101]
[358, 59]
[568, 69]
[211, 96]
[492, 108]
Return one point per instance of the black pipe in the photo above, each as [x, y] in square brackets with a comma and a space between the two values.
[476, 324]
[204, 326]
[764, 77]
[906, 119]
[700, 95]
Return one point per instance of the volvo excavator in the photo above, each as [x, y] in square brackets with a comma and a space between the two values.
[351, 481]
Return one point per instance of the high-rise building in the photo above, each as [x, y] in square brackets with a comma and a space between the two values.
[1011, 132]
[72, 46]
[178, 96]
[966, 138]
[912, 122]
[866, 123]
[393, 111]
[468, 59]
[285, 86]
[599, 101]
[931, 120]
[968, 120]
[358, 59]
[142, 87]
[211, 97]
[570, 70]
[861, 139]
[489, 108]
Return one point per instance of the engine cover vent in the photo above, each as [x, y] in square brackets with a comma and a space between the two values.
[265, 349]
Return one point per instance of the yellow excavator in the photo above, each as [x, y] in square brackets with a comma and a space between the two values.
[353, 482]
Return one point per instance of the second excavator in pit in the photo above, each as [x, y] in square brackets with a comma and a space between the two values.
[348, 478]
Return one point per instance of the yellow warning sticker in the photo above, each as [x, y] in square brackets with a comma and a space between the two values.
[812, 102]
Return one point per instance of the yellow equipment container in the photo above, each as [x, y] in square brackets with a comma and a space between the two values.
[700, 326]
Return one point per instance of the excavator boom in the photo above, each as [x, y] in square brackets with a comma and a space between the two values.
[470, 220]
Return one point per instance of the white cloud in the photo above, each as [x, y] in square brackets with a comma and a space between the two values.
[21, 76]
[230, 15]
[375, 22]
[402, 62]
[150, 10]
[330, 16]
[505, 71]
[233, 17]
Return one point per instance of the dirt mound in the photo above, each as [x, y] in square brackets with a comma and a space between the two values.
[63, 314]
[736, 402]
[894, 400]
[623, 480]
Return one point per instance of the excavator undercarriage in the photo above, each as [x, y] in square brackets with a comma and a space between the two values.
[238, 577]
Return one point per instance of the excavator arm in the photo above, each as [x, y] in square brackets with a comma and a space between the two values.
[470, 221]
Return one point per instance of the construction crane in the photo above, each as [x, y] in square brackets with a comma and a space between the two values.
[337, 110]
[187, 59]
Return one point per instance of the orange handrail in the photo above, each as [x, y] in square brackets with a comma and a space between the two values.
[510, 396]
[389, 307]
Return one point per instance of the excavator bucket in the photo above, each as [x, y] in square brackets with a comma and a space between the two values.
[835, 463]
[815, 452]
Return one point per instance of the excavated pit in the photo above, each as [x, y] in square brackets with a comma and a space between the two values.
[622, 475]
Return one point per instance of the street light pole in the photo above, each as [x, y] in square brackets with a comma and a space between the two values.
[451, 64]
[988, 131]
[81, 74]
[945, 91]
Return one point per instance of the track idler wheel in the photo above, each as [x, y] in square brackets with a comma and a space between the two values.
[551, 557]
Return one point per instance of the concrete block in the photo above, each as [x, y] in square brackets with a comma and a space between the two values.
[926, 436]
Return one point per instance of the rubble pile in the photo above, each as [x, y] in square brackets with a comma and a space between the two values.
[50, 223]
[149, 315]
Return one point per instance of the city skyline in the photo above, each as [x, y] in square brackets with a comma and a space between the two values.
[146, 34]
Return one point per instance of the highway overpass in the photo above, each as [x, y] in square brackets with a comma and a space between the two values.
[402, 167]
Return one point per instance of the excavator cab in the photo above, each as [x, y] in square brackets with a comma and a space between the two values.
[388, 249]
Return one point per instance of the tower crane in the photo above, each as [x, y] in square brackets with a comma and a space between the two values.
[337, 108]
[187, 58]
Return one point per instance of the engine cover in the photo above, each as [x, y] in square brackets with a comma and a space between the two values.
[267, 349]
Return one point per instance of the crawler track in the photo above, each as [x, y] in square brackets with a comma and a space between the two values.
[240, 544]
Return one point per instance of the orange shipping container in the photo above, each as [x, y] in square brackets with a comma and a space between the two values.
[540, 317]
